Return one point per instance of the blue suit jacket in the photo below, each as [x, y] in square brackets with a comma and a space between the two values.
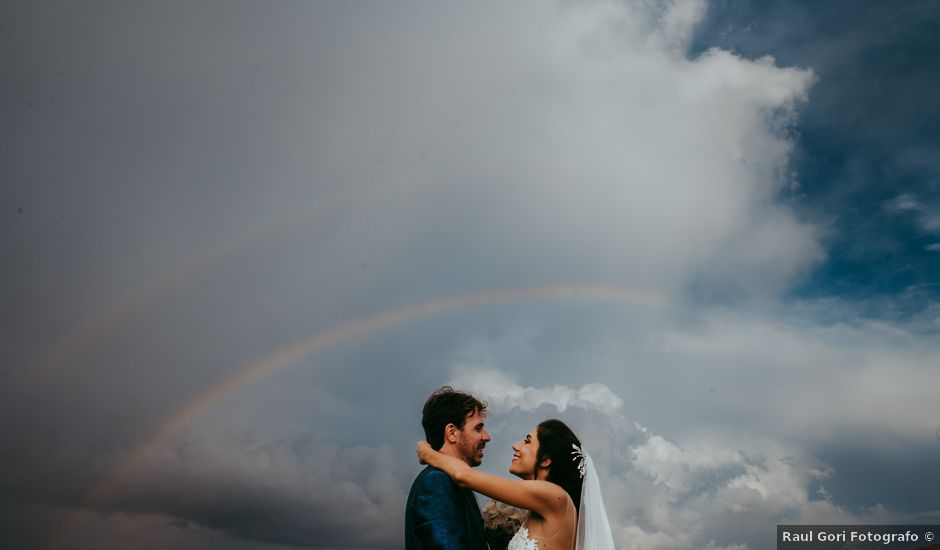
[442, 515]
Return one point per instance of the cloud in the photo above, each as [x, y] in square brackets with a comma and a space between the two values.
[709, 491]
[93, 529]
[503, 394]
[400, 158]
[930, 222]
[712, 546]
[634, 538]
[585, 148]
[928, 219]
[716, 471]
[682, 470]
[676, 23]
[903, 203]
[291, 491]
[672, 496]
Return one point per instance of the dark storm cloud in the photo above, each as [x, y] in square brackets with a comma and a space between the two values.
[905, 467]
[293, 491]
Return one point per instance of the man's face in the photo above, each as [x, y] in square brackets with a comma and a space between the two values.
[472, 438]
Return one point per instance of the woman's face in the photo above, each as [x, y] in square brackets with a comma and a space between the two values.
[523, 456]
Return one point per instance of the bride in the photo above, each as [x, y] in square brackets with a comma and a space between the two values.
[558, 487]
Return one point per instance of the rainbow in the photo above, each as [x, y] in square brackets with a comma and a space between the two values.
[290, 354]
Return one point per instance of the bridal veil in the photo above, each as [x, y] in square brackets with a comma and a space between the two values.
[593, 528]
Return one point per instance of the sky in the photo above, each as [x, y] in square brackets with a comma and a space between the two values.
[242, 243]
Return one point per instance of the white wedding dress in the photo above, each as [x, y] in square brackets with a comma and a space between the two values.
[593, 528]
[521, 541]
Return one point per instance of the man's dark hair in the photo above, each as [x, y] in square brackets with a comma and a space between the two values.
[446, 406]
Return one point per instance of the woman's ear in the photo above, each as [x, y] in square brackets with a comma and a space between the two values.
[546, 462]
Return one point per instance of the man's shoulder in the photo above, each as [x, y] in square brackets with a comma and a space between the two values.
[431, 478]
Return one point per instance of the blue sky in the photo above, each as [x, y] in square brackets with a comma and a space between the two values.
[866, 157]
[242, 244]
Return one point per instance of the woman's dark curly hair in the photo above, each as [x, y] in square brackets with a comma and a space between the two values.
[555, 441]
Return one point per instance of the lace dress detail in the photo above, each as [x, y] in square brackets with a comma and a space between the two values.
[521, 541]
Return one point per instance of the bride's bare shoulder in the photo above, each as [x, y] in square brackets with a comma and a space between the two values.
[551, 492]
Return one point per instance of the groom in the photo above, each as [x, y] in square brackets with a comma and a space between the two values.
[440, 514]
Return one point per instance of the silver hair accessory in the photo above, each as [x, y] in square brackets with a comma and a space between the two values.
[579, 456]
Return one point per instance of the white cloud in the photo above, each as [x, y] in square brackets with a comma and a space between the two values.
[503, 394]
[632, 537]
[927, 217]
[582, 148]
[712, 546]
[677, 468]
[780, 376]
[707, 494]
[709, 488]
[680, 18]
[930, 222]
[903, 203]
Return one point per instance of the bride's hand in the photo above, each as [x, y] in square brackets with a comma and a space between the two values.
[424, 448]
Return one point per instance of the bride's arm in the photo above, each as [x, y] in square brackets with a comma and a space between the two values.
[542, 497]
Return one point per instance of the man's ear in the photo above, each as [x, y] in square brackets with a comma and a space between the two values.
[450, 433]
